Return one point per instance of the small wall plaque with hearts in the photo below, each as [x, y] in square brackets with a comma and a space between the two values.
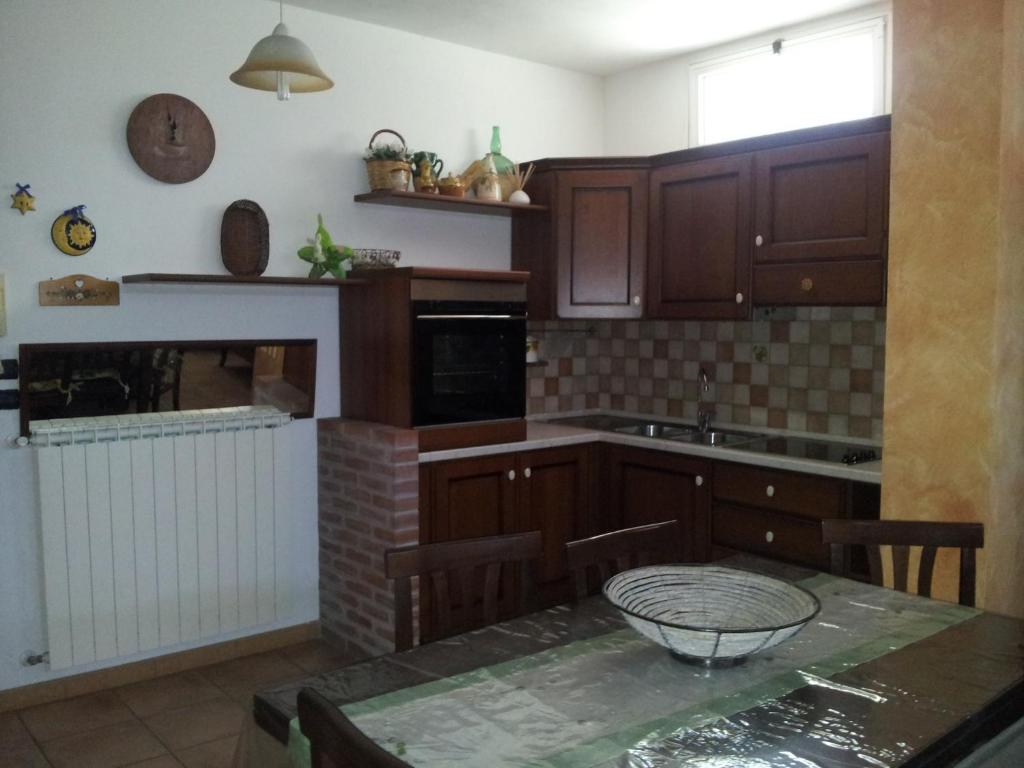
[79, 290]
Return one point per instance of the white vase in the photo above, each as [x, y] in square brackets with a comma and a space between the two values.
[519, 197]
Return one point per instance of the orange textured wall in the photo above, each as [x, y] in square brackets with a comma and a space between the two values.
[950, 377]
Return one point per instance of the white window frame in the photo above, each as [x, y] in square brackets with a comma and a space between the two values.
[876, 25]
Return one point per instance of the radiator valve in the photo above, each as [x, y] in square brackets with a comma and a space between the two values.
[31, 658]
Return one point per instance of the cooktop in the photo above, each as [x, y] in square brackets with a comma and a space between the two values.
[803, 448]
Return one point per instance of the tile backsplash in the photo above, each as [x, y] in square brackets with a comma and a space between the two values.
[812, 369]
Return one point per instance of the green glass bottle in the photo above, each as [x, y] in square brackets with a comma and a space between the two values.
[501, 163]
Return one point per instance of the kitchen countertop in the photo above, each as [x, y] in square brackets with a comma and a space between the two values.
[540, 434]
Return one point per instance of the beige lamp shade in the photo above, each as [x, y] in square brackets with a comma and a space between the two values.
[281, 53]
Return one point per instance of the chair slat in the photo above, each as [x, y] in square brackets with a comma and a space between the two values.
[403, 613]
[492, 579]
[968, 566]
[442, 602]
[925, 570]
[900, 565]
[875, 564]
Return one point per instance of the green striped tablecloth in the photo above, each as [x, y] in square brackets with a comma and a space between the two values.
[590, 701]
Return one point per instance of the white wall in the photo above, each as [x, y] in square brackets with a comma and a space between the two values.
[647, 109]
[70, 74]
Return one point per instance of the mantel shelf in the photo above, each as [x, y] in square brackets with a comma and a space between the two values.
[166, 277]
[446, 203]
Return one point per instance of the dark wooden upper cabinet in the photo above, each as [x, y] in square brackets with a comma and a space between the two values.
[589, 257]
[602, 243]
[699, 246]
[820, 221]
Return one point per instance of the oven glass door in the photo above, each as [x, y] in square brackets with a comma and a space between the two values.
[468, 368]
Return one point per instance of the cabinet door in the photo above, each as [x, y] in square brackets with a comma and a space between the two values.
[644, 486]
[553, 499]
[601, 221]
[820, 201]
[699, 249]
[471, 498]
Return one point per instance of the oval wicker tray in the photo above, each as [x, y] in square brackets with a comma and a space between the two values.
[245, 238]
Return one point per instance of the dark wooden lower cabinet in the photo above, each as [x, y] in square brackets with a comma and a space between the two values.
[545, 490]
[640, 486]
[576, 491]
[778, 514]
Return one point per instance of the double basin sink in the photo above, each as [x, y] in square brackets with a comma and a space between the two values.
[663, 430]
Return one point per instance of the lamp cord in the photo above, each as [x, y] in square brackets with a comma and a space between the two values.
[280, 6]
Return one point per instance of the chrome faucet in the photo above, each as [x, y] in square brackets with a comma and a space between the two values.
[704, 414]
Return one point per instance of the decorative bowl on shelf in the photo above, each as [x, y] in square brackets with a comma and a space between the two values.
[709, 613]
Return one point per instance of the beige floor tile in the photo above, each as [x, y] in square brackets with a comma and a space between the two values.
[170, 692]
[108, 747]
[64, 718]
[27, 756]
[13, 733]
[164, 761]
[214, 754]
[197, 724]
[316, 656]
[251, 671]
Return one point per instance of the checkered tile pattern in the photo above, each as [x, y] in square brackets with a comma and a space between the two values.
[812, 369]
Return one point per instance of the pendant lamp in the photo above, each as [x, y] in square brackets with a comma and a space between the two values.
[282, 63]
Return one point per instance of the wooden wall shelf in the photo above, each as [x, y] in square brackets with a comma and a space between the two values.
[444, 203]
[166, 277]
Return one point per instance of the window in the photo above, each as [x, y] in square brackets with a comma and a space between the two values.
[794, 83]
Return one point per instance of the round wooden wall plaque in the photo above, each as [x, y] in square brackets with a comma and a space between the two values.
[171, 138]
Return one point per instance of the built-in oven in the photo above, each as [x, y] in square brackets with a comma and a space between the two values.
[469, 354]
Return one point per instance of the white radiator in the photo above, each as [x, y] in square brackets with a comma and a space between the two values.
[160, 529]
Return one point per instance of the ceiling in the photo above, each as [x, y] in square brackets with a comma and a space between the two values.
[595, 36]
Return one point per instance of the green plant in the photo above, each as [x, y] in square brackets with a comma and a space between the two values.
[324, 255]
[386, 152]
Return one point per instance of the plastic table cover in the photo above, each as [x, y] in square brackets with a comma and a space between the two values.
[598, 694]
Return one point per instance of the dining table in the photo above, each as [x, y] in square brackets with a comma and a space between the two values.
[877, 678]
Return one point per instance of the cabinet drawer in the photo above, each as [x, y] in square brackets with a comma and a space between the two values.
[770, 534]
[806, 495]
[843, 282]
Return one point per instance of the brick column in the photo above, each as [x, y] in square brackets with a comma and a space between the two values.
[368, 499]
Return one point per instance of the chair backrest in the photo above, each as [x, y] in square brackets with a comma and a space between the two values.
[461, 579]
[901, 535]
[334, 741]
[611, 553]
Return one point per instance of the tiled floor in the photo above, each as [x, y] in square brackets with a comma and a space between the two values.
[191, 719]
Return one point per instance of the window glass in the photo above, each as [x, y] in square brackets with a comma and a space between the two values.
[814, 80]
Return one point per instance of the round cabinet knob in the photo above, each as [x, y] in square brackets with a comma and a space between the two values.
[739, 298]
[769, 491]
[511, 474]
[699, 480]
[526, 472]
[636, 301]
[769, 537]
[758, 241]
[806, 285]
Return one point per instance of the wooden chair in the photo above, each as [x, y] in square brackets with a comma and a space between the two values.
[451, 587]
[901, 535]
[617, 551]
[334, 741]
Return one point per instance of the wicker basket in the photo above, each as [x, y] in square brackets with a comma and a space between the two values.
[245, 238]
[382, 173]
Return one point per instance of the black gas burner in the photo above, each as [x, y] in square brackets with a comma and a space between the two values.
[820, 450]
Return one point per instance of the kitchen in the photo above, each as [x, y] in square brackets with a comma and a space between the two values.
[951, 317]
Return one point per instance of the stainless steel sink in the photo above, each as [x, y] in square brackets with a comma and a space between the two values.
[654, 429]
[717, 437]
